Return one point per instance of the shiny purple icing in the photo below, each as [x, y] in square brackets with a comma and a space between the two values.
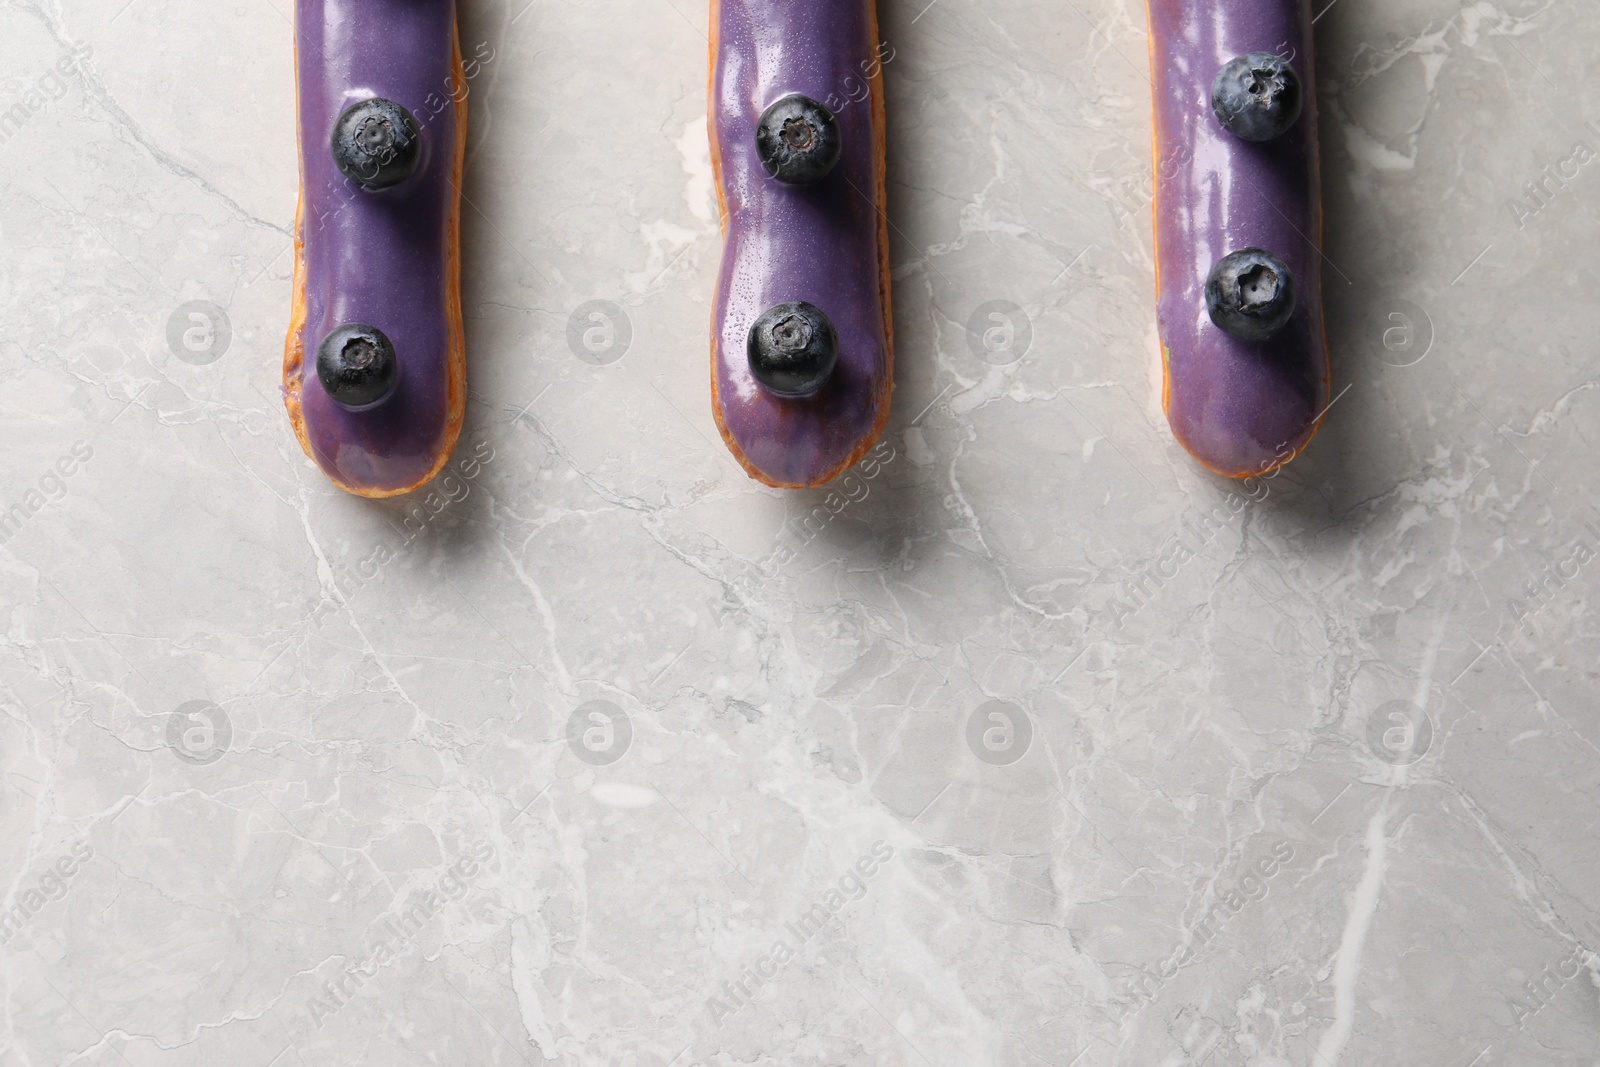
[378, 258]
[1240, 407]
[818, 243]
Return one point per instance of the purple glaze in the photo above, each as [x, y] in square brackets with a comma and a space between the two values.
[820, 243]
[1240, 407]
[381, 258]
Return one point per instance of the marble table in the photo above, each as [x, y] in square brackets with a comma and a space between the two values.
[1028, 742]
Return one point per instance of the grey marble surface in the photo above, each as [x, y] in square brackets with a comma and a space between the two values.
[1083, 755]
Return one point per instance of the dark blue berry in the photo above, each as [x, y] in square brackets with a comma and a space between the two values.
[1250, 294]
[356, 365]
[792, 349]
[377, 143]
[798, 140]
[1256, 97]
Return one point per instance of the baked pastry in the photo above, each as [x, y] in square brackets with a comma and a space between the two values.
[1238, 230]
[801, 332]
[374, 368]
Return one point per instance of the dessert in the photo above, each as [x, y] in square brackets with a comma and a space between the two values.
[374, 369]
[801, 333]
[1238, 221]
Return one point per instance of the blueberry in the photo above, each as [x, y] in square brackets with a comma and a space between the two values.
[792, 349]
[1250, 294]
[377, 143]
[798, 140]
[356, 366]
[1256, 97]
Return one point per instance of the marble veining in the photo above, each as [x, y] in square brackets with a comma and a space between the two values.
[1024, 742]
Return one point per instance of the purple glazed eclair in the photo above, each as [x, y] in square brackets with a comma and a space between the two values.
[374, 368]
[1238, 230]
[801, 344]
